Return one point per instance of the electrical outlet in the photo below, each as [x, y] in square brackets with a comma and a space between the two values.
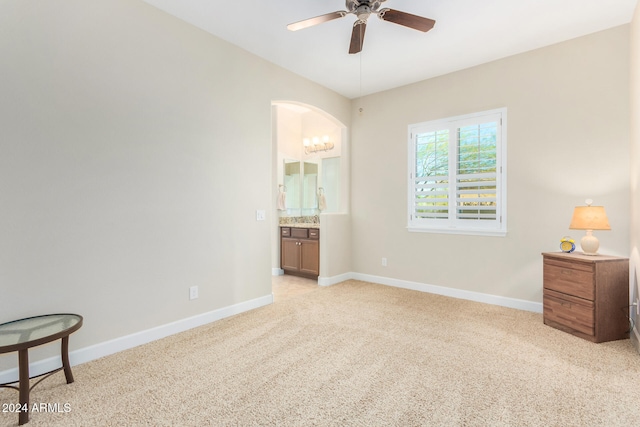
[193, 292]
[384, 262]
[637, 306]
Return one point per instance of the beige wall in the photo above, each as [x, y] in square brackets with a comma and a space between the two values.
[335, 247]
[635, 166]
[568, 140]
[135, 152]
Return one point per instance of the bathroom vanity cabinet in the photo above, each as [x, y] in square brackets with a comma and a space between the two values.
[300, 251]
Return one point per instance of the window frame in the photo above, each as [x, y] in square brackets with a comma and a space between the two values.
[453, 225]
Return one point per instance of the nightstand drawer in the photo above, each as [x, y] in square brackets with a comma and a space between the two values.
[574, 313]
[570, 279]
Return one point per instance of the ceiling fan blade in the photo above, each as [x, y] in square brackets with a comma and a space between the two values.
[407, 19]
[317, 20]
[357, 37]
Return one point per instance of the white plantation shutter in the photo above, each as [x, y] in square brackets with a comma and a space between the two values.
[432, 175]
[456, 180]
[476, 197]
[476, 175]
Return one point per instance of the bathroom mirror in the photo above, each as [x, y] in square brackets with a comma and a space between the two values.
[301, 186]
[309, 188]
[292, 185]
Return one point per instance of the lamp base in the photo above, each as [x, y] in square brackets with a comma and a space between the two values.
[590, 244]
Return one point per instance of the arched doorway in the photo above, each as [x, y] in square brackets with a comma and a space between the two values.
[310, 166]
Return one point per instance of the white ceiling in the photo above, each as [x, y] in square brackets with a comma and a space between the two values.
[467, 33]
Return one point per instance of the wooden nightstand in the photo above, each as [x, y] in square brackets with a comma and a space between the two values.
[587, 296]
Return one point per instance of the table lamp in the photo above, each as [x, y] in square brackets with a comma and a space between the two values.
[589, 218]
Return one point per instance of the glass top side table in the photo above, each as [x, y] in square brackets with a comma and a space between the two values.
[21, 335]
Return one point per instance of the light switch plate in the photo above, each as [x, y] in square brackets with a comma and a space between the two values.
[261, 215]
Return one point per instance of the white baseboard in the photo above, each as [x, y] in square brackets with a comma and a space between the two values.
[328, 281]
[116, 345]
[277, 271]
[635, 338]
[439, 290]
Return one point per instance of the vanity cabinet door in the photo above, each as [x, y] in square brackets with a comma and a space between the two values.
[290, 254]
[309, 257]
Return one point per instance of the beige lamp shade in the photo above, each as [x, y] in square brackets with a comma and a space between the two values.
[589, 218]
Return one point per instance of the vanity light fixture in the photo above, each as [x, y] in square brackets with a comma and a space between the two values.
[314, 145]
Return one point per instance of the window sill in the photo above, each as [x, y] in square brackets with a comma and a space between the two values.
[469, 232]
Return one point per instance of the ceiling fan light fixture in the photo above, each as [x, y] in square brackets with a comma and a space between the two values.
[363, 12]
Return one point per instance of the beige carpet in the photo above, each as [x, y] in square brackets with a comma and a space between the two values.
[356, 354]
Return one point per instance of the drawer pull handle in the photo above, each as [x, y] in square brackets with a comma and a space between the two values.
[566, 272]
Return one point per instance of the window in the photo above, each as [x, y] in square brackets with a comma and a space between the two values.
[457, 174]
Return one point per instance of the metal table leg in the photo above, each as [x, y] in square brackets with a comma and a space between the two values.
[23, 369]
[65, 360]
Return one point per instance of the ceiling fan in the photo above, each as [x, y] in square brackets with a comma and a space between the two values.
[363, 9]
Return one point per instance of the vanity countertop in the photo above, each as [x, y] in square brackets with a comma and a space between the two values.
[301, 225]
